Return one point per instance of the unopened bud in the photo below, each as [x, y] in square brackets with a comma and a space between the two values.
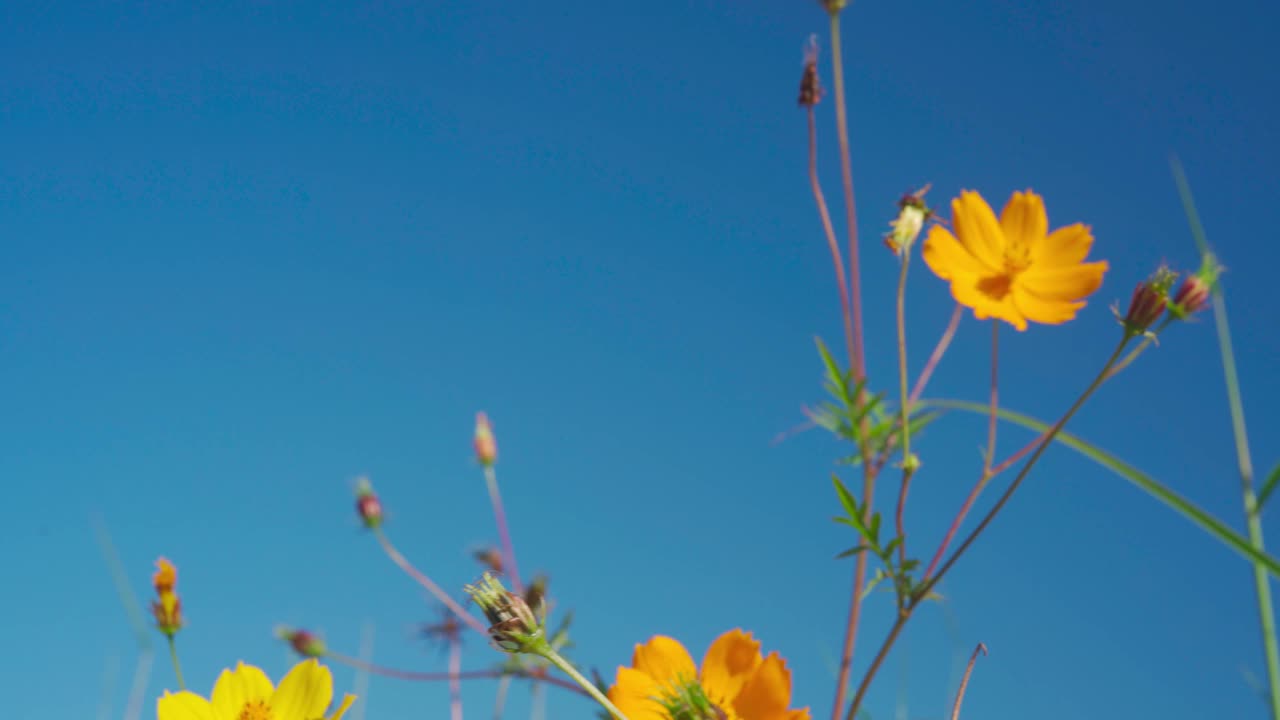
[535, 595]
[167, 607]
[304, 643]
[810, 87]
[513, 627]
[1193, 295]
[485, 444]
[1148, 303]
[368, 506]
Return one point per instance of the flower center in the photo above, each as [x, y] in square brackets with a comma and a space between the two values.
[256, 710]
[996, 286]
[688, 701]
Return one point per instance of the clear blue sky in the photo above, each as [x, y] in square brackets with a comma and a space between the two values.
[250, 251]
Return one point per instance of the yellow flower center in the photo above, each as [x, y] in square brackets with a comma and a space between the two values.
[256, 710]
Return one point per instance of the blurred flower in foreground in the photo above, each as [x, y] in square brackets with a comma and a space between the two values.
[167, 607]
[1013, 268]
[735, 682]
[486, 445]
[303, 642]
[247, 694]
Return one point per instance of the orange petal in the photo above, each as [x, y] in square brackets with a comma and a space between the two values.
[977, 229]
[728, 665]
[1064, 246]
[975, 293]
[801, 714]
[635, 695]
[946, 257]
[1045, 312]
[767, 693]
[665, 660]
[1024, 223]
[1074, 282]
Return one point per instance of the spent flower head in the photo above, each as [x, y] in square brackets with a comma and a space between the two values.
[167, 607]
[513, 626]
[810, 86]
[912, 215]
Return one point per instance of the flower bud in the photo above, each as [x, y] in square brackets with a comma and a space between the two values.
[304, 643]
[485, 444]
[513, 627]
[368, 506]
[1148, 303]
[167, 607]
[810, 87]
[1191, 298]
[490, 558]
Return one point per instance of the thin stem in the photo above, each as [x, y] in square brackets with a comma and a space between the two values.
[427, 583]
[177, 666]
[930, 582]
[500, 697]
[455, 683]
[987, 456]
[537, 702]
[141, 674]
[908, 465]
[1142, 346]
[964, 682]
[850, 209]
[415, 676]
[504, 534]
[836, 258]
[554, 658]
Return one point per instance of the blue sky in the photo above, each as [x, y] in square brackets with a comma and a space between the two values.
[250, 251]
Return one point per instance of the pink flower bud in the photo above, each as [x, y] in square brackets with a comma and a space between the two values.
[485, 444]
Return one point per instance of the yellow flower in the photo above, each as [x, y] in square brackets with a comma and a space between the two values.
[735, 682]
[246, 694]
[1013, 269]
[167, 607]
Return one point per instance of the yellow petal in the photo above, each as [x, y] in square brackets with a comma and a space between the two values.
[304, 693]
[801, 714]
[236, 688]
[1024, 223]
[767, 693]
[988, 297]
[1075, 282]
[342, 707]
[977, 229]
[1046, 312]
[946, 257]
[728, 665]
[185, 705]
[665, 660]
[635, 693]
[1064, 246]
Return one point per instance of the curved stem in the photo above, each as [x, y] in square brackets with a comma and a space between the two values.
[832, 243]
[177, 666]
[964, 682]
[927, 586]
[504, 534]
[427, 583]
[554, 658]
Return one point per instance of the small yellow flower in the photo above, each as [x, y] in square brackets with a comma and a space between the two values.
[1014, 269]
[735, 682]
[247, 694]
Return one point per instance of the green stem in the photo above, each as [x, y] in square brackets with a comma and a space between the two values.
[177, 666]
[1261, 583]
[908, 464]
[554, 658]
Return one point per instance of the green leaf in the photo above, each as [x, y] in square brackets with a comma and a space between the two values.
[1270, 484]
[834, 374]
[852, 551]
[1188, 509]
[847, 500]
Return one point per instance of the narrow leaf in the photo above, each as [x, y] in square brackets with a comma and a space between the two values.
[1188, 509]
[1267, 486]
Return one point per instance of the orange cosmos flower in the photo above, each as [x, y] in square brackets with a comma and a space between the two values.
[735, 682]
[1013, 268]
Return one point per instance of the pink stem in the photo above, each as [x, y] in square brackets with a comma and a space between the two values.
[398, 674]
[964, 682]
[504, 534]
[427, 583]
[455, 683]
